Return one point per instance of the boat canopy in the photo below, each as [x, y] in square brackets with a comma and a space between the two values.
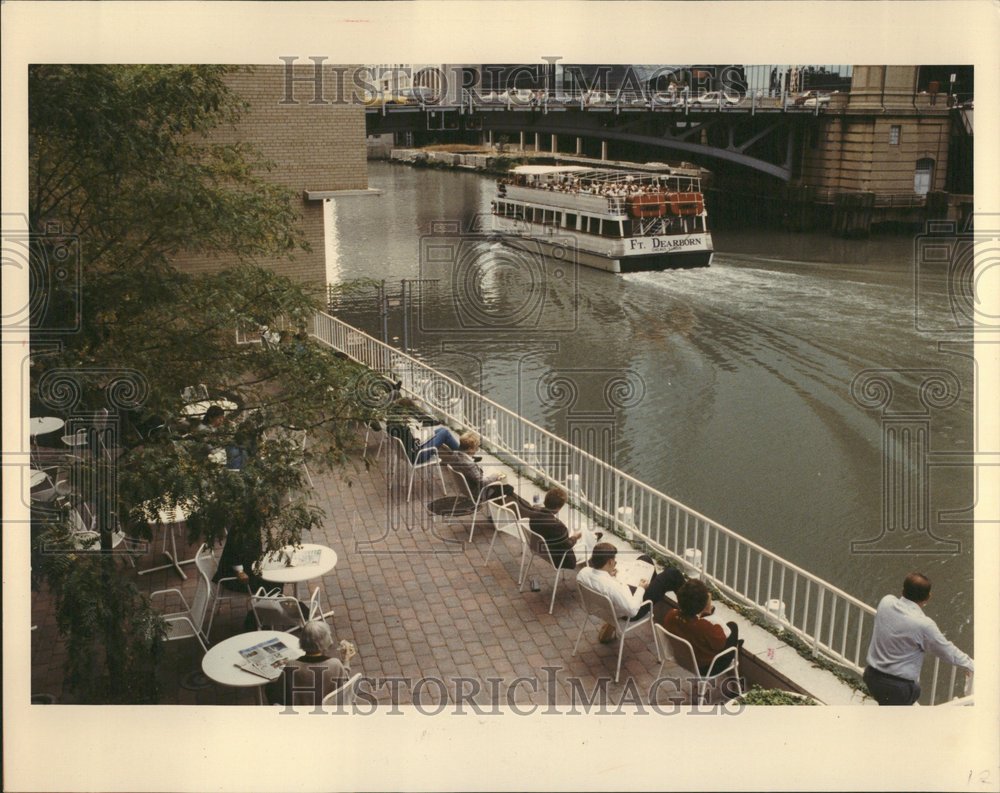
[600, 178]
[543, 170]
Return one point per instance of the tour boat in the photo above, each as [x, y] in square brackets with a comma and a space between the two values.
[620, 220]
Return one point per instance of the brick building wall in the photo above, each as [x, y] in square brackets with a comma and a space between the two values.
[314, 147]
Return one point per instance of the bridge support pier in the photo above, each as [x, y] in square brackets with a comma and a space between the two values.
[538, 143]
[555, 144]
[604, 150]
[852, 214]
[579, 146]
[521, 143]
[489, 138]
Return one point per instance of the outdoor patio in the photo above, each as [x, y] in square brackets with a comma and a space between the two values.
[418, 601]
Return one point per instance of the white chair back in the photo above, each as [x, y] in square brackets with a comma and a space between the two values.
[193, 393]
[597, 604]
[430, 454]
[345, 694]
[676, 649]
[273, 610]
[204, 560]
[463, 483]
[680, 649]
[536, 542]
[505, 519]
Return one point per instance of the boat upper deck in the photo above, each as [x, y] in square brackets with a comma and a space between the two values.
[597, 191]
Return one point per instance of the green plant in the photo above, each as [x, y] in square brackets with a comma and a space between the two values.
[774, 696]
[125, 161]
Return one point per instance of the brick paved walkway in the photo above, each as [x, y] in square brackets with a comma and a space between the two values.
[419, 602]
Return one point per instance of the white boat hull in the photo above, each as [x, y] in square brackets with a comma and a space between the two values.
[612, 255]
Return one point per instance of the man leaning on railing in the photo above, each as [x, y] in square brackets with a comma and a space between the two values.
[901, 636]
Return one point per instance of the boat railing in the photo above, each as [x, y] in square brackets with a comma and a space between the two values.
[827, 620]
[576, 201]
[616, 205]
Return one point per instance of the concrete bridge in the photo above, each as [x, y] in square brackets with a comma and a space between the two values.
[890, 137]
[755, 133]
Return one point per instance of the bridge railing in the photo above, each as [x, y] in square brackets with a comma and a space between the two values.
[828, 620]
[682, 101]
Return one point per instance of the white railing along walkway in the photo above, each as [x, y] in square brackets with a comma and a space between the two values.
[830, 621]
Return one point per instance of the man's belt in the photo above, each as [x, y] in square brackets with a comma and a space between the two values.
[880, 673]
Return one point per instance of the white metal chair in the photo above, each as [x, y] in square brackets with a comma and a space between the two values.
[670, 646]
[507, 520]
[432, 461]
[300, 437]
[379, 428]
[345, 694]
[55, 488]
[476, 502]
[211, 564]
[81, 525]
[188, 622]
[597, 604]
[195, 393]
[537, 545]
[275, 611]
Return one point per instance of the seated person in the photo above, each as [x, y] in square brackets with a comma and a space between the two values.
[240, 554]
[244, 444]
[708, 639]
[420, 452]
[627, 601]
[543, 521]
[214, 418]
[462, 461]
[309, 678]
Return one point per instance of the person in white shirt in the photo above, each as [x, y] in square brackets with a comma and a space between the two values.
[901, 636]
[626, 600]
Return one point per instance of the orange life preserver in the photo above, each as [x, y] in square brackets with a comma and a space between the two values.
[646, 205]
[686, 203]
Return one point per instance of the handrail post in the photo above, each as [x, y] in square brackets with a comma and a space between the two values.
[606, 491]
[818, 622]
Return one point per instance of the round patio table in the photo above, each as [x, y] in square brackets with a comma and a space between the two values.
[199, 408]
[289, 565]
[169, 518]
[43, 425]
[221, 661]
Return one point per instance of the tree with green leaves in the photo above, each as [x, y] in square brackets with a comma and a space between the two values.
[123, 162]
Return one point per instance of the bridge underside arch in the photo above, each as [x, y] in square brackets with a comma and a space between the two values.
[596, 126]
[782, 171]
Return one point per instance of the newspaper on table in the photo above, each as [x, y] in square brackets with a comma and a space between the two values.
[306, 556]
[299, 558]
[267, 658]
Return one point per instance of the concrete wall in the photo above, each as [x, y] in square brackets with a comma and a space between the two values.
[855, 153]
[313, 146]
[852, 150]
